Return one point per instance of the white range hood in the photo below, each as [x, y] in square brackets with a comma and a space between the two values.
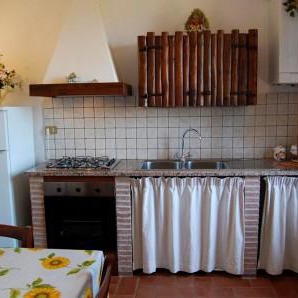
[82, 47]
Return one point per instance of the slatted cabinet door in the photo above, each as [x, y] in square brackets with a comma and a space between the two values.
[198, 69]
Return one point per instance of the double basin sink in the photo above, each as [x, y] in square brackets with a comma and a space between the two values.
[191, 164]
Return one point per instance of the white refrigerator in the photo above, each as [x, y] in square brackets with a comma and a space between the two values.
[16, 156]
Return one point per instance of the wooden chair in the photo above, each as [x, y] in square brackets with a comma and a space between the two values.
[23, 234]
[106, 277]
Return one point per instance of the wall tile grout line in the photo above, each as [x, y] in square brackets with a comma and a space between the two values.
[115, 126]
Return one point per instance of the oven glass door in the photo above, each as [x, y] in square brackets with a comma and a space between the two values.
[81, 222]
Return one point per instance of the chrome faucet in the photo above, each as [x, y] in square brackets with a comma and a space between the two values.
[181, 155]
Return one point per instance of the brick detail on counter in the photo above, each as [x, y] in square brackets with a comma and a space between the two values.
[124, 221]
[251, 211]
[124, 229]
[38, 211]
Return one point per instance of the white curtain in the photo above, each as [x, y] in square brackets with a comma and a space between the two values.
[188, 224]
[279, 232]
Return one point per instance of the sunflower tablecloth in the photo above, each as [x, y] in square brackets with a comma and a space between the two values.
[49, 273]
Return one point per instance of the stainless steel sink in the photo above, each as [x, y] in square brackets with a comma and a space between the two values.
[178, 165]
[204, 164]
[161, 164]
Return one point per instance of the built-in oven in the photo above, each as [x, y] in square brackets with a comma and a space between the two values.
[81, 214]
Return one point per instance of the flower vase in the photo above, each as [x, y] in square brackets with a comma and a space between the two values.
[3, 94]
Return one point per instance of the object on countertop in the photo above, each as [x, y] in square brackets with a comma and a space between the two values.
[279, 153]
[72, 78]
[293, 152]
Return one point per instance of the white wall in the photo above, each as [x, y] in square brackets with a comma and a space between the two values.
[28, 35]
[29, 31]
[139, 17]
[125, 20]
[46, 40]
[33, 31]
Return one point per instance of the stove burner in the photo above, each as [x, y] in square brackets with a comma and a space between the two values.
[85, 162]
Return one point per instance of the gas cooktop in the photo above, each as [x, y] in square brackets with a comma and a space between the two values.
[84, 162]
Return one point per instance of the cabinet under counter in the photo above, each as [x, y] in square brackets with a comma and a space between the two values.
[250, 170]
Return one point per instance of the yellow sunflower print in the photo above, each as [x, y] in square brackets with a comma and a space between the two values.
[55, 263]
[1, 252]
[43, 293]
[88, 293]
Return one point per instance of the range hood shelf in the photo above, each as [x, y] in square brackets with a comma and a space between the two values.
[80, 89]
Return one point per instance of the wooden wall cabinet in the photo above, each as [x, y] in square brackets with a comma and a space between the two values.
[198, 69]
[283, 45]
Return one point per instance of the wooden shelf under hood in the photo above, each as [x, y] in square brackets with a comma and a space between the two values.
[80, 89]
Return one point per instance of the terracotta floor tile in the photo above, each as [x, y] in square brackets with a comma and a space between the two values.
[285, 287]
[166, 291]
[112, 288]
[121, 296]
[145, 292]
[212, 285]
[188, 281]
[115, 279]
[192, 292]
[232, 281]
[146, 281]
[220, 292]
[158, 280]
[284, 282]
[289, 294]
[286, 293]
[202, 281]
[195, 296]
[254, 292]
[127, 286]
[260, 282]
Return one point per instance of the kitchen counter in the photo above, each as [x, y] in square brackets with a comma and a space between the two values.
[245, 167]
[250, 169]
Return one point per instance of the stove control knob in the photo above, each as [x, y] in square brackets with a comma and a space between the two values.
[97, 190]
[78, 189]
[58, 189]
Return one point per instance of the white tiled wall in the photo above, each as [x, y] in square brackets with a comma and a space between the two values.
[117, 127]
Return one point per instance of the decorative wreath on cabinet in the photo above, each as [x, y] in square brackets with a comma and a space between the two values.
[197, 21]
[291, 7]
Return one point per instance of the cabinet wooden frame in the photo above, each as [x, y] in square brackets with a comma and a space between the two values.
[198, 69]
[80, 89]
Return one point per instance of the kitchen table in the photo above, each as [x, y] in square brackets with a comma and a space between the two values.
[49, 273]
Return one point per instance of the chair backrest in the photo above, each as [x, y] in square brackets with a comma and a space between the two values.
[24, 234]
[106, 276]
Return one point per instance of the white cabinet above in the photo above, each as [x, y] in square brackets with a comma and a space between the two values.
[283, 45]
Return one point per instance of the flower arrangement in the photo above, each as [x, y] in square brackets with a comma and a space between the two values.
[9, 80]
[291, 6]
